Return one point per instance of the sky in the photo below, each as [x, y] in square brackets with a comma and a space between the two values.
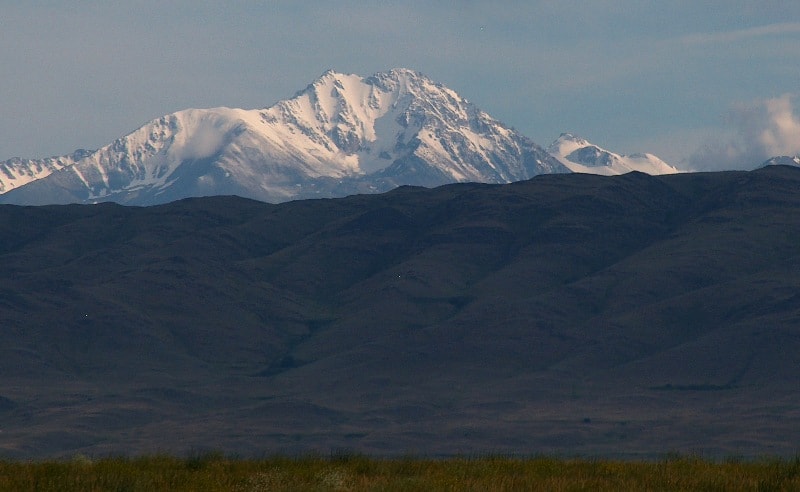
[705, 85]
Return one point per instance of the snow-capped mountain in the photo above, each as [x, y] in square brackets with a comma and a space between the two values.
[783, 160]
[17, 172]
[342, 134]
[581, 156]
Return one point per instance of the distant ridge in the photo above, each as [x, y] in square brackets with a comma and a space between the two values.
[783, 160]
[581, 156]
[341, 135]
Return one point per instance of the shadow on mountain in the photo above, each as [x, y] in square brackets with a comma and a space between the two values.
[571, 314]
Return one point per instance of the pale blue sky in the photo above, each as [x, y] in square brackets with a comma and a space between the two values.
[703, 84]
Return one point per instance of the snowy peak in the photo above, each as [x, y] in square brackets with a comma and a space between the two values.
[580, 151]
[581, 156]
[368, 124]
[567, 143]
[348, 113]
[340, 135]
[334, 117]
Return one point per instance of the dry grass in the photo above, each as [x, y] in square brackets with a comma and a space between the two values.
[214, 472]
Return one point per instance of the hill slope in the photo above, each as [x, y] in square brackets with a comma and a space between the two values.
[626, 315]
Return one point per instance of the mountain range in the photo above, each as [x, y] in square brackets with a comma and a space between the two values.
[341, 135]
[496, 297]
[625, 316]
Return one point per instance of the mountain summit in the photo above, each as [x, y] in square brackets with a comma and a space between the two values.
[342, 134]
[581, 156]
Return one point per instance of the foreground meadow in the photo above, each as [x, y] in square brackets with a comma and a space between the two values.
[214, 472]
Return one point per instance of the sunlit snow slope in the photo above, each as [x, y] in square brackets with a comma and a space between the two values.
[581, 156]
[342, 134]
[17, 172]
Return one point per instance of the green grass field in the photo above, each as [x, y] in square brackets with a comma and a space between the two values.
[213, 472]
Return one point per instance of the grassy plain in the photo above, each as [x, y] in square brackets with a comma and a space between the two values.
[215, 472]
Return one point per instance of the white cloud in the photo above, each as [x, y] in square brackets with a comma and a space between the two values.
[761, 129]
[782, 133]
